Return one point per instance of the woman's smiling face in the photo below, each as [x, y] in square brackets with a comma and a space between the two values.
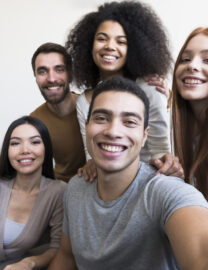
[192, 71]
[110, 49]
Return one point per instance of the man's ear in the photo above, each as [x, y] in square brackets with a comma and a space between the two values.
[86, 123]
[145, 135]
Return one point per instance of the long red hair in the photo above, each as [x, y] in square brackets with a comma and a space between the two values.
[192, 153]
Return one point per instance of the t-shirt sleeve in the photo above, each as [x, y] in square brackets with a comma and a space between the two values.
[164, 195]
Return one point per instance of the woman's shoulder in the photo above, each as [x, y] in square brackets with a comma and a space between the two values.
[54, 186]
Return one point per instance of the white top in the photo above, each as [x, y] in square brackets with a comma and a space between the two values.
[158, 140]
[12, 230]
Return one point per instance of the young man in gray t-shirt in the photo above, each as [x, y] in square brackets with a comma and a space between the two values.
[129, 218]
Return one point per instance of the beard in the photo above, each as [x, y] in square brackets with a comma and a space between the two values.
[53, 99]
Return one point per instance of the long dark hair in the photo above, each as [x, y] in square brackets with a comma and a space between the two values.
[6, 170]
[192, 154]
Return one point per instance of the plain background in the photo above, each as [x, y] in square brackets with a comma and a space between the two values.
[26, 24]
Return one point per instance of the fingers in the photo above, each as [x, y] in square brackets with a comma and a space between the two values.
[159, 82]
[89, 171]
[168, 165]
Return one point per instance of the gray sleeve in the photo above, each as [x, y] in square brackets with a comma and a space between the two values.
[164, 195]
[65, 227]
[158, 140]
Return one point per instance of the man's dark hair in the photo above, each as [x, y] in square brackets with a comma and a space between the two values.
[50, 47]
[6, 169]
[120, 84]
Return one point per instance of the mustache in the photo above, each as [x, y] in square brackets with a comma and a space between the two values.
[54, 84]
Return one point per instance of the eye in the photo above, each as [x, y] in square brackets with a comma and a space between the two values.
[122, 42]
[205, 60]
[36, 142]
[185, 60]
[101, 39]
[100, 119]
[41, 72]
[14, 143]
[130, 123]
[60, 69]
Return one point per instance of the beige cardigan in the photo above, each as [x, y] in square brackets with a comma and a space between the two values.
[47, 212]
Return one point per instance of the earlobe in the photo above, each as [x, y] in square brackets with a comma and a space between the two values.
[145, 135]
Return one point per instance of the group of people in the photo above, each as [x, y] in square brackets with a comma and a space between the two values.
[125, 205]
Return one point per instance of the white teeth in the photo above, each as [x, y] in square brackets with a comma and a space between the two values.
[109, 57]
[53, 88]
[112, 148]
[193, 81]
[25, 160]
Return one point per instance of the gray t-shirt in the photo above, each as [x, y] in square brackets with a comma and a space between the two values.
[129, 232]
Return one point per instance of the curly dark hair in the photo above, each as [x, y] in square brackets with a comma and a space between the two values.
[148, 51]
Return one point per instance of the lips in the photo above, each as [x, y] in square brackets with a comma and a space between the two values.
[26, 161]
[112, 148]
[109, 58]
[193, 81]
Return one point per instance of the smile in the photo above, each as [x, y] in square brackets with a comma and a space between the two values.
[112, 148]
[193, 81]
[25, 160]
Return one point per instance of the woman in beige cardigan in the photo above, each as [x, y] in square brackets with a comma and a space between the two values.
[30, 201]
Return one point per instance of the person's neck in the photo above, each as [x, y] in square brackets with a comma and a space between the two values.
[199, 108]
[106, 75]
[112, 185]
[28, 183]
[63, 108]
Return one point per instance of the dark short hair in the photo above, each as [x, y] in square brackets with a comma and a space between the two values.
[50, 47]
[6, 169]
[121, 84]
[148, 45]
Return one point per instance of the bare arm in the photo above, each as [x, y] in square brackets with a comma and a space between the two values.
[33, 262]
[187, 230]
[64, 258]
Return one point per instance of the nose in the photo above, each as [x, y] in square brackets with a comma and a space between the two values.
[113, 130]
[25, 148]
[194, 64]
[110, 44]
[51, 76]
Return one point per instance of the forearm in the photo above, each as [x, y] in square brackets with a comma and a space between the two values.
[40, 261]
[63, 262]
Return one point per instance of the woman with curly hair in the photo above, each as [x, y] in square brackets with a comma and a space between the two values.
[30, 198]
[125, 39]
[190, 108]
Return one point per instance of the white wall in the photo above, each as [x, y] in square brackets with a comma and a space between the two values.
[26, 24]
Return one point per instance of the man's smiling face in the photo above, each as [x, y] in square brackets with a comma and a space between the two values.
[115, 131]
[52, 77]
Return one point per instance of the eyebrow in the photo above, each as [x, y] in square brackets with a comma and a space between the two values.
[45, 67]
[18, 138]
[106, 35]
[123, 114]
[190, 51]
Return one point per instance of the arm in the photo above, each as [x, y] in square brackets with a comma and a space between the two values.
[82, 107]
[187, 230]
[64, 258]
[33, 262]
[158, 140]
